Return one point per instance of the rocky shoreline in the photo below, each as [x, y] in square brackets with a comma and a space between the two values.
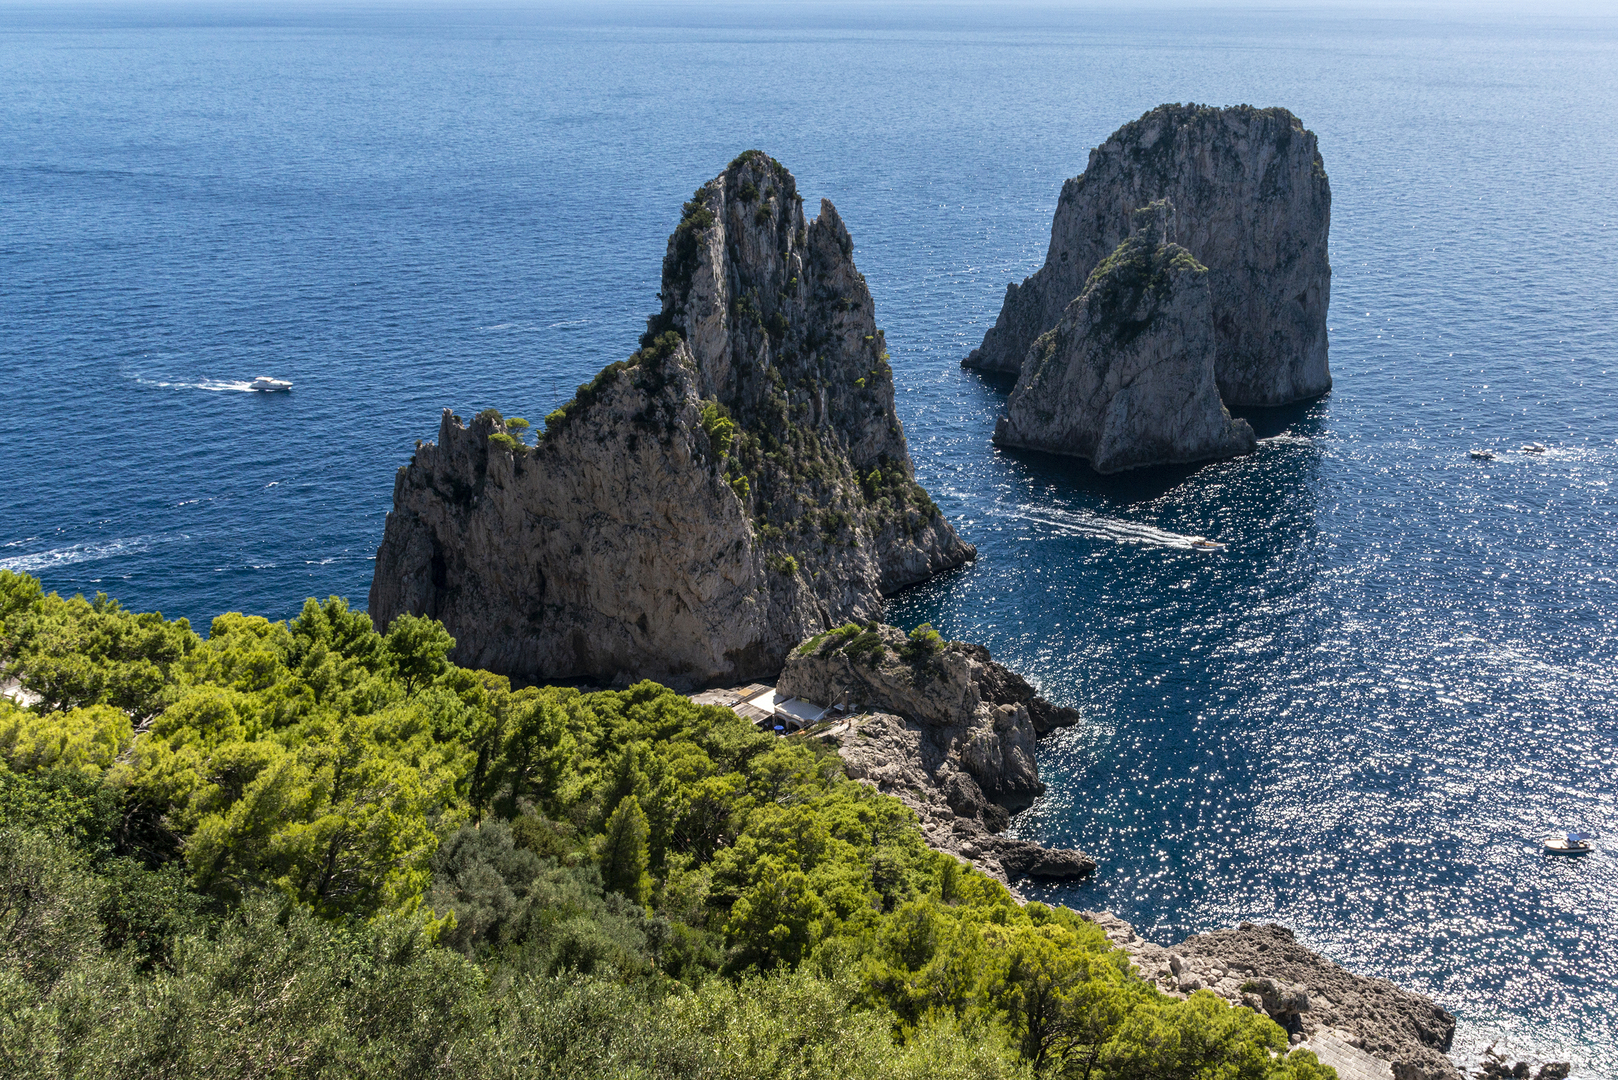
[950, 733]
[946, 730]
[1361, 1026]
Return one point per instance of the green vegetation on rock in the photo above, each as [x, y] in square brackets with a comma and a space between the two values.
[309, 849]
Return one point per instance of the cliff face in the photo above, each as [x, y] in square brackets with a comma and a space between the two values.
[1126, 376]
[739, 483]
[946, 730]
[1254, 208]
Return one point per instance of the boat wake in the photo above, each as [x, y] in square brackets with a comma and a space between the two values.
[1097, 527]
[216, 386]
[56, 558]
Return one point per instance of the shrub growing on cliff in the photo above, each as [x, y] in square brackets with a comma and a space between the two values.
[719, 427]
[922, 642]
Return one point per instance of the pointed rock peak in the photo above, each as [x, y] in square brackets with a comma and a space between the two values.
[699, 507]
[832, 223]
[780, 324]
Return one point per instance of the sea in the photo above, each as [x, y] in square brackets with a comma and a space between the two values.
[1355, 720]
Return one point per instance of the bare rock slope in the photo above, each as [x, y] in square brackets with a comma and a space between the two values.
[1126, 377]
[739, 483]
[944, 728]
[1322, 1003]
[1254, 208]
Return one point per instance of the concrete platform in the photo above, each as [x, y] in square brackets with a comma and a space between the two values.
[1351, 1062]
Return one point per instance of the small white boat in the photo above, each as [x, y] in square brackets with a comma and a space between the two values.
[1534, 448]
[1566, 844]
[1202, 543]
[1481, 455]
[264, 382]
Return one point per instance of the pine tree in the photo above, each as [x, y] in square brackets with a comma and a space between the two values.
[623, 852]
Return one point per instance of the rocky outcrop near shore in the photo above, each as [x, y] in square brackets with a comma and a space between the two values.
[1126, 377]
[694, 512]
[1254, 208]
[944, 728]
[1372, 1026]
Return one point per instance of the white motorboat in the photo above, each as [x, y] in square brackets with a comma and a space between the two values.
[1202, 543]
[1566, 844]
[264, 382]
[1481, 455]
[1534, 448]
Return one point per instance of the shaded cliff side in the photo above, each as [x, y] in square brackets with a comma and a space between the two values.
[1254, 208]
[740, 482]
[1126, 378]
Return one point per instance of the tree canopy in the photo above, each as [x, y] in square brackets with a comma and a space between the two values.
[312, 849]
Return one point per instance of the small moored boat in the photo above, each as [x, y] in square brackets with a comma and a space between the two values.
[1566, 844]
[264, 382]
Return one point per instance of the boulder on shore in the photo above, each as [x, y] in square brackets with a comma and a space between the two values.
[1254, 208]
[740, 482]
[1126, 378]
[944, 728]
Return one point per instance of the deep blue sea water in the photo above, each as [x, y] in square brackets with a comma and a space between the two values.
[1354, 721]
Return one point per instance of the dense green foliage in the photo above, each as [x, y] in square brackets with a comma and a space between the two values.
[309, 849]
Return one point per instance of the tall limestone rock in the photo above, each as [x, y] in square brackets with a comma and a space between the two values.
[1254, 208]
[694, 512]
[1126, 377]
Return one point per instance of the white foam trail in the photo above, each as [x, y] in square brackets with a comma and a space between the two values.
[81, 553]
[534, 327]
[1095, 526]
[211, 385]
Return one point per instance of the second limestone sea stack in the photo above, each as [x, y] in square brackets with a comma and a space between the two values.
[1254, 207]
[1126, 378]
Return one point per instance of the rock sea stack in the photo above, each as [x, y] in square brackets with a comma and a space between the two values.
[1254, 207]
[1126, 377]
[944, 728]
[739, 483]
